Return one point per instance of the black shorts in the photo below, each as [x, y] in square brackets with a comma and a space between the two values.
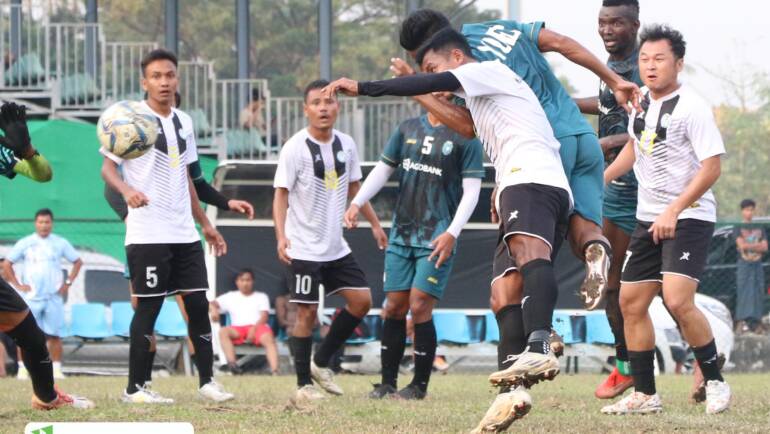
[537, 210]
[684, 255]
[304, 278]
[166, 269]
[10, 300]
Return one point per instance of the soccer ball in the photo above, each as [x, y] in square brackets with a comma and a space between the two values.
[127, 129]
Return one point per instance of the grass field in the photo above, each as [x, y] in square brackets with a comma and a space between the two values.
[455, 404]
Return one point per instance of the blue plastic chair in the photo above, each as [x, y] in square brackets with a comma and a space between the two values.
[598, 329]
[122, 314]
[562, 324]
[492, 333]
[89, 321]
[170, 322]
[452, 327]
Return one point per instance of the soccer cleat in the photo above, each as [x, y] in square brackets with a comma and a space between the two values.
[528, 369]
[381, 391]
[506, 408]
[214, 391]
[145, 396]
[411, 393]
[22, 373]
[698, 393]
[305, 396]
[62, 400]
[718, 396]
[597, 267]
[614, 385]
[440, 364]
[635, 403]
[325, 378]
[557, 344]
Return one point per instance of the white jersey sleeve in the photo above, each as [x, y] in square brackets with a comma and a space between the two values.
[486, 78]
[286, 172]
[355, 163]
[703, 134]
[115, 159]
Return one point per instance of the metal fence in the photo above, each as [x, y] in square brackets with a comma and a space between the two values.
[197, 88]
[242, 119]
[77, 53]
[25, 60]
[122, 73]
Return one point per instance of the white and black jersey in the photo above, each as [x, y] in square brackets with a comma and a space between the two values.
[317, 175]
[671, 137]
[162, 175]
[511, 123]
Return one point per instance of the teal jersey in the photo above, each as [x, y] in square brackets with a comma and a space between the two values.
[7, 162]
[432, 163]
[515, 45]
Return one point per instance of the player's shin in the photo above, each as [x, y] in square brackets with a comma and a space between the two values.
[302, 347]
[513, 341]
[28, 336]
[392, 349]
[199, 330]
[424, 352]
[708, 360]
[643, 370]
[341, 329]
[540, 293]
[142, 325]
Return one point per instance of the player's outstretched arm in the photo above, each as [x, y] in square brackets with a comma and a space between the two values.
[412, 85]
[209, 195]
[624, 91]
[623, 163]
[35, 168]
[453, 116]
[588, 106]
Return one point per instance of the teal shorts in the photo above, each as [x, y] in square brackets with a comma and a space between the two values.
[408, 267]
[583, 162]
[620, 207]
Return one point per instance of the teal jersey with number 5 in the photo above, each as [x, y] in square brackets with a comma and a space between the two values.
[432, 163]
[515, 45]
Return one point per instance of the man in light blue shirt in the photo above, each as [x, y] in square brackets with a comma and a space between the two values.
[42, 283]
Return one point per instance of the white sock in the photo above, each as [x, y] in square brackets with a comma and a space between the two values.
[21, 364]
[57, 365]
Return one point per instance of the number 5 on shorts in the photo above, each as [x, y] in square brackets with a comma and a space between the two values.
[303, 284]
[152, 277]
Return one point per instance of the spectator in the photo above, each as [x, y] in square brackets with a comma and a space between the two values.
[251, 115]
[41, 281]
[249, 311]
[751, 242]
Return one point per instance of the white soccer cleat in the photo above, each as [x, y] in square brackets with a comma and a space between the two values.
[506, 408]
[718, 395]
[597, 266]
[528, 369]
[145, 396]
[325, 378]
[214, 391]
[635, 403]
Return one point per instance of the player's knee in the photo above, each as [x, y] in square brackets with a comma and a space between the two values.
[196, 305]
[360, 304]
[679, 307]
[631, 308]
[526, 249]
[396, 309]
[505, 290]
[421, 308]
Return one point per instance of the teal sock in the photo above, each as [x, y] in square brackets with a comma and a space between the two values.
[623, 367]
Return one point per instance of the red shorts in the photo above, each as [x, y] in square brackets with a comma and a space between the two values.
[243, 331]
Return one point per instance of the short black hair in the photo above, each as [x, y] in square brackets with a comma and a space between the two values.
[419, 26]
[445, 39]
[243, 271]
[158, 54]
[745, 203]
[44, 212]
[634, 4]
[315, 84]
[659, 32]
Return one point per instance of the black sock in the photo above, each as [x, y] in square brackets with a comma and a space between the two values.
[540, 293]
[141, 330]
[28, 336]
[615, 318]
[341, 329]
[643, 370]
[302, 347]
[424, 353]
[512, 338]
[150, 364]
[199, 330]
[392, 349]
[707, 359]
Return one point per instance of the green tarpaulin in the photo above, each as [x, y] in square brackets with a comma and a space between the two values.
[75, 194]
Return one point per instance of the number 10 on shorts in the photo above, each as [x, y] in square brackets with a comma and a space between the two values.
[303, 284]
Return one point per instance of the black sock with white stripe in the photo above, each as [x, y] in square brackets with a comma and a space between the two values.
[643, 370]
[707, 359]
[199, 330]
[140, 340]
[424, 353]
[392, 347]
[540, 292]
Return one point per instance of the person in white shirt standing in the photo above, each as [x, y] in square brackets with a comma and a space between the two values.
[675, 150]
[163, 248]
[249, 311]
[533, 199]
[318, 171]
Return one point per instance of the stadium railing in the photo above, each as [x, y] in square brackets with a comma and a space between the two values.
[77, 55]
[25, 61]
[122, 72]
[197, 85]
[231, 97]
